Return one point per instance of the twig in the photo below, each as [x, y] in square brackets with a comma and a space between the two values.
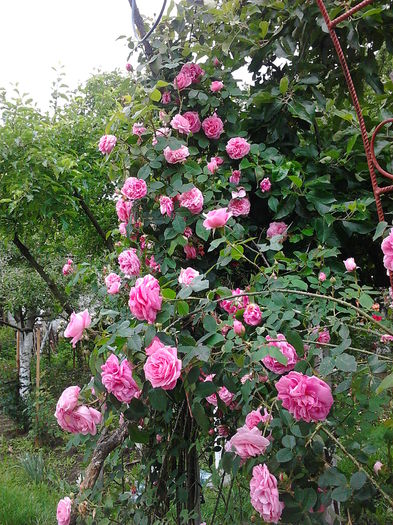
[218, 498]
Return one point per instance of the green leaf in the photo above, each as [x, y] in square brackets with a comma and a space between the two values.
[155, 95]
[227, 461]
[200, 351]
[158, 399]
[237, 252]
[210, 324]
[264, 27]
[136, 409]
[358, 479]
[284, 82]
[341, 493]
[200, 416]
[295, 340]
[380, 230]
[183, 308]
[179, 224]
[351, 143]
[138, 436]
[167, 293]
[284, 455]
[201, 231]
[366, 301]
[205, 389]
[346, 363]
[386, 383]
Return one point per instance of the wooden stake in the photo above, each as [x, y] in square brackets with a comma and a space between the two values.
[37, 383]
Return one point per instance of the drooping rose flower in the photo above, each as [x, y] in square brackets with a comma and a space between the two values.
[153, 264]
[247, 443]
[153, 346]
[63, 512]
[182, 81]
[161, 132]
[107, 143]
[123, 230]
[187, 232]
[377, 467]
[324, 336]
[350, 264]
[166, 205]
[264, 494]
[223, 393]
[117, 379]
[175, 156]
[192, 200]
[123, 210]
[128, 67]
[213, 127]
[253, 418]
[239, 193]
[265, 185]
[232, 306]
[194, 71]
[307, 398]
[187, 276]
[145, 299]
[166, 97]
[238, 327]
[190, 251]
[134, 188]
[181, 124]
[235, 177]
[78, 419]
[387, 249]
[237, 148]
[287, 351]
[239, 207]
[386, 338]
[112, 283]
[163, 368]
[277, 228]
[214, 163]
[138, 129]
[322, 277]
[216, 218]
[77, 324]
[129, 262]
[216, 85]
[193, 120]
[68, 267]
[252, 314]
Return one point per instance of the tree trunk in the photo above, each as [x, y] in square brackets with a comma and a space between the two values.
[26, 348]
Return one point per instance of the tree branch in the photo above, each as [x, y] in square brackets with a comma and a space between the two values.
[15, 327]
[141, 27]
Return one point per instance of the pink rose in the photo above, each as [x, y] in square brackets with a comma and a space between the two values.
[238, 327]
[245, 378]
[253, 418]
[153, 264]
[77, 324]
[239, 207]
[73, 418]
[265, 185]
[190, 252]
[161, 132]
[63, 513]
[107, 143]
[237, 148]
[122, 230]
[235, 177]
[174, 156]
[324, 336]
[182, 81]
[387, 249]
[138, 129]
[187, 276]
[193, 120]
[162, 368]
[214, 163]
[187, 232]
[213, 127]
[236, 304]
[166, 205]
[322, 276]
[350, 264]
[306, 398]
[223, 393]
[192, 200]
[117, 379]
[216, 62]
[129, 263]
[377, 467]
[166, 97]
[386, 338]
[181, 124]
[216, 85]
[154, 346]
[113, 283]
[239, 193]
[123, 210]
[128, 67]
[252, 314]
[216, 218]
[264, 494]
[287, 351]
[247, 443]
[145, 299]
[134, 188]
[68, 400]
[277, 228]
[68, 268]
[194, 71]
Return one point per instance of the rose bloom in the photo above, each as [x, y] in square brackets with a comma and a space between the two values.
[215, 86]
[193, 120]
[350, 264]
[138, 129]
[166, 97]
[166, 205]
[265, 185]
[214, 163]
[386, 338]
[238, 327]
[180, 124]
[122, 231]
[153, 264]
[223, 393]
[134, 188]
[154, 346]
[247, 443]
[387, 249]
[239, 207]
[235, 177]
[236, 304]
[129, 263]
[287, 351]
[73, 418]
[182, 81]
[322, 277]
[213, 127]
[216, 218]
[190, 252]
[63, 513]
[77, 324]
[187, 232]
[123, 210]
[324, 336]
[264, 494]
[68, 268]
[145, 299]
[174, 156]
[253, 418]
[107, 143]
[128, 67]
[162, 368]
[187, 276]
[161, 132]
[216, 62]
[306, 398]
[237, 148]
[252, 314]
[277, 228]
[112, 283]
[239, 193]
[377, 467]
[117, 379]
[192, 200]
[194, 71]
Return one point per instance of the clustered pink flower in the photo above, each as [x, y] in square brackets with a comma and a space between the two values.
[387, 249]
[264, 494]
[232, 306]
[216, 85]
[187, 232]
[247, 443]
[223, 393]
[322, 277]
[153, 264]
[63, 512]
[265, 185]
[77, 324]
[129, 262]
[112, 283]
[68, 268]
[238, 327]
[107, 143]
[187, 276]
[166, 97]
[190, 251]
[277, 228]
[252, 314]
[193, 120]
[239, 207]
[134, 188]
[213, 127]
[235, 177]
[182, 81]
[255, 417]
[166, 205]
[237, 148]
[145, 299]
[192, 200]
[138, 129]
[117, 379]
[324, 336]
[78, 419]
[216, 218]
[307, 398]
[123, 210]
[214, 163]
[163, 368]
[350, 264]
[181, 124]
[194, 71]
[175, 156]
[161, 132]
[287, 351]
[122, 230]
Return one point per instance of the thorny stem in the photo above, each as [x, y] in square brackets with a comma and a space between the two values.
[218, 498]
[351, 348]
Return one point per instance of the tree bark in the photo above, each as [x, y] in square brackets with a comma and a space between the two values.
[141, 29]
[57, 293]
[25, 324]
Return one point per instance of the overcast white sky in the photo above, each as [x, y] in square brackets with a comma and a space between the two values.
[79, 34]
